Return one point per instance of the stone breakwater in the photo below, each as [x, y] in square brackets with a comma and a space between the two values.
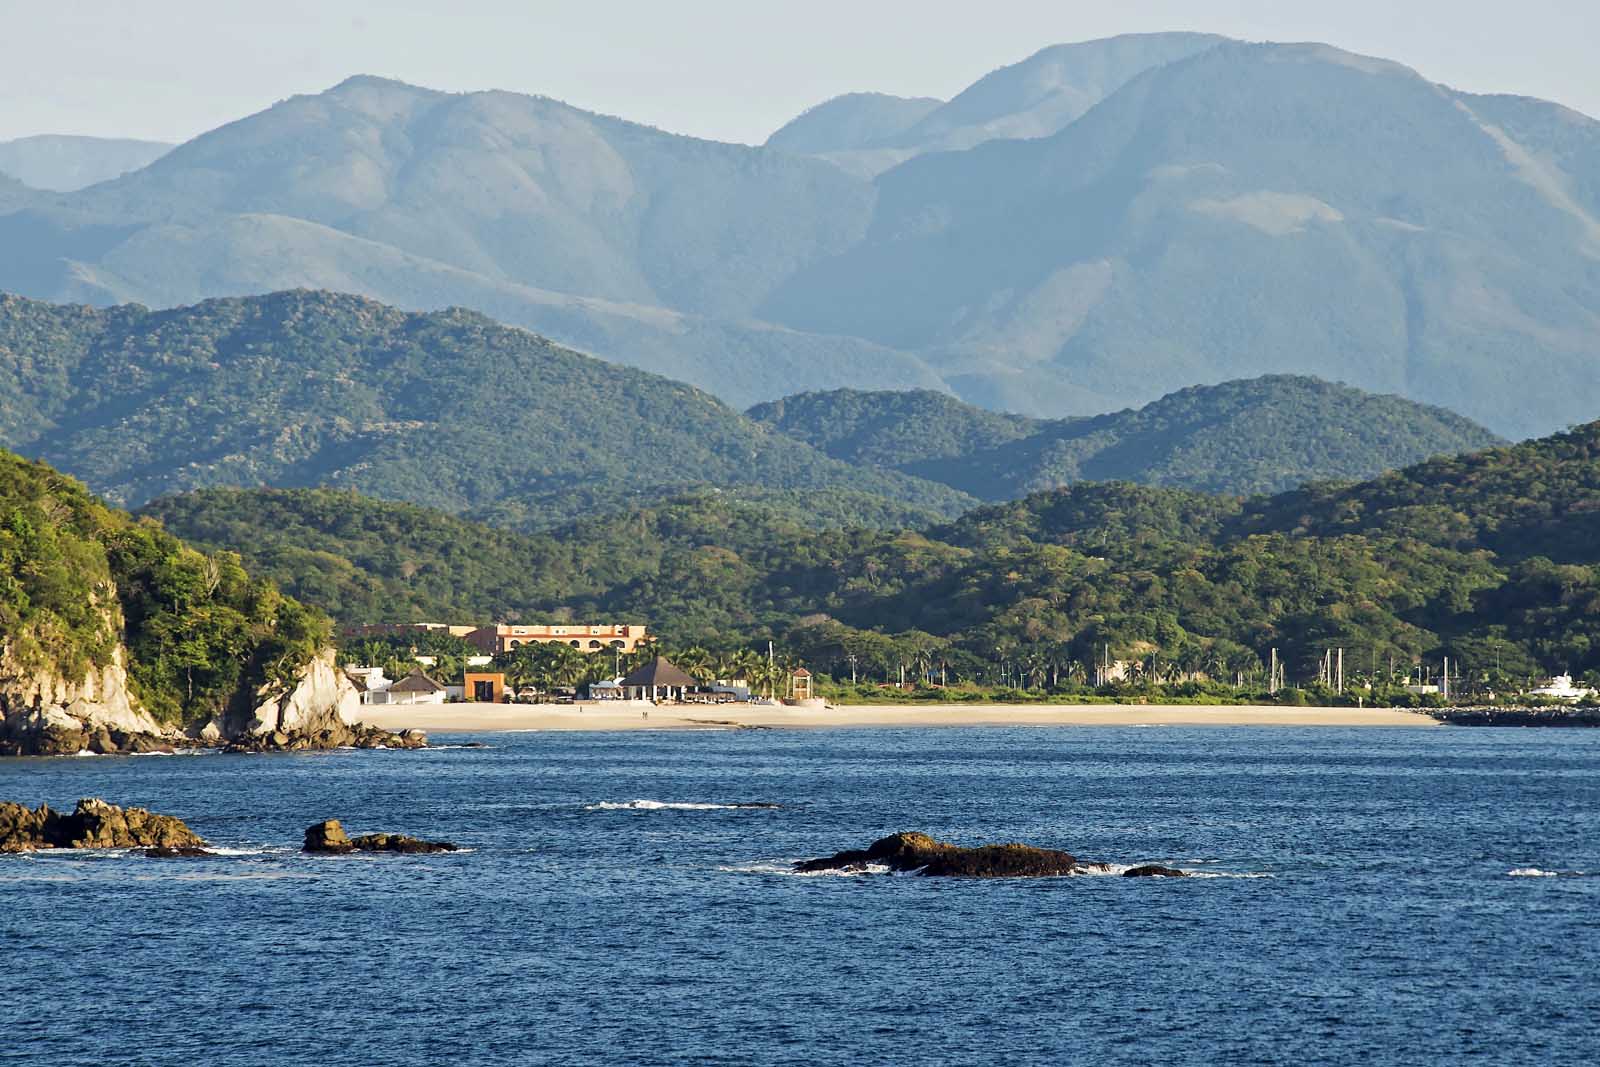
[920, 854]
[1530, 716]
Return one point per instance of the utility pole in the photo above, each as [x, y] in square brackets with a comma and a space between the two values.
[1341, 671]
[1272, 674]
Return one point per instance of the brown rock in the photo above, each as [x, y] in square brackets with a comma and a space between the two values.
[1151, 870]
[938, 859]
[92, 824]
[400, 843]
[328, 836]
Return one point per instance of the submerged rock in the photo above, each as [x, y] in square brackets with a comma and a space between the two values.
[181, 852]
[329, 837]
[1151, 870]
[92, 824]
[939, 859]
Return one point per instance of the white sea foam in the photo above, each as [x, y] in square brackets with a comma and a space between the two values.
[1530, 872]
[1229, 874]
[667, 805]
[786, 868]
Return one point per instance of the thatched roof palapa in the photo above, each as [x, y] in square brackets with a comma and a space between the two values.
[659, 673]
[416, 682]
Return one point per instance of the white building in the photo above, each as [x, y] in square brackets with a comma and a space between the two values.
[1561, 687]
[416, 688]
[370, 683]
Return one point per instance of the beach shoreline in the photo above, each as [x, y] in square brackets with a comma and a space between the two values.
[491, 718]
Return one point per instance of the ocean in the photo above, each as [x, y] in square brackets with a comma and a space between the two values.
[1366, 896]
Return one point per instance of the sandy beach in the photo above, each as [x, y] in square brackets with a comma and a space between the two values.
[473, 718]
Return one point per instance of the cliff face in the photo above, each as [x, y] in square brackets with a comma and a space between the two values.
[43, 713]
[322, 700]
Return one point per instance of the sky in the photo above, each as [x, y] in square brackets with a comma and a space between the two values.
[730, 70]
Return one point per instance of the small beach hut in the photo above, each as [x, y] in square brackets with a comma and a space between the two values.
[657, 680]
[416, 688]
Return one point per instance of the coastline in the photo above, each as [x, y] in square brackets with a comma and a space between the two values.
[492, 718]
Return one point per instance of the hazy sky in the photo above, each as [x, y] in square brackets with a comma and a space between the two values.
[727, 69]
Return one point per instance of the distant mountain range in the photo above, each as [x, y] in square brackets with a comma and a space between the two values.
[66, 164]
[1264, 435]
[1092, 228]
[868, 133]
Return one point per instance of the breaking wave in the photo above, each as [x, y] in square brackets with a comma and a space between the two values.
[1531, 872]
[668, 805]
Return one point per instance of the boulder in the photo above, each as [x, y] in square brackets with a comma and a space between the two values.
[1151, 870]
[922, 854]
[92, 824]
[329, 836]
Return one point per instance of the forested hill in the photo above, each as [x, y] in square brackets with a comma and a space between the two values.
[78, 579]
[892, 429]
[448, 409]
[1537, 498]
[1171, 578]
[1260, 435]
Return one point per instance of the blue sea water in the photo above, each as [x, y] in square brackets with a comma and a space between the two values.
[1361, 906]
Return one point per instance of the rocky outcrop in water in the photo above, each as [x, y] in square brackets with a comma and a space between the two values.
[333, 736]
[329, 837]
[321, 711]
[92, 824]
[1151, 870]
[914, 852]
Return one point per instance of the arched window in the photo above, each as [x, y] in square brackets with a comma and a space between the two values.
[574, 644]
[594, 644]
[516, 644]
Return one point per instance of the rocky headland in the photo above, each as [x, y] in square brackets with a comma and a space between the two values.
[93, 823]
[329, 837]
[44, 714]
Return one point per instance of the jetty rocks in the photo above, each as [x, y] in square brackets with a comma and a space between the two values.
[93, 824]
[914, 852]
[329, 837]
[330, 737]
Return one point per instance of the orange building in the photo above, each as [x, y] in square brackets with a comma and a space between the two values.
[504, 638]
[484, 688]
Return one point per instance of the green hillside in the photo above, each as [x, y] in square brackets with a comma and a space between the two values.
[891, 429]
[1508, 586]
[448, 409]
[77, 579]
[1258, 436]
